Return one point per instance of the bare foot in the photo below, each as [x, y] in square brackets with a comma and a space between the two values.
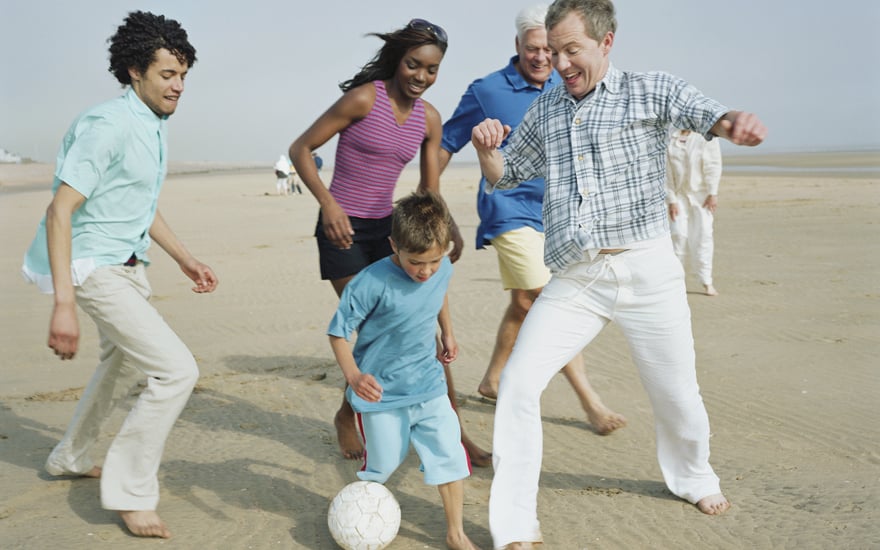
[145, 523]
[95, 472]
[604, 420]
[714, 505]
[487, 389]
[709, 290]
[459, 542]
[478, 456]
[349, 441]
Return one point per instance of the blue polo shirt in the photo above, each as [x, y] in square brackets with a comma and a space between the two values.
[504, 95]
[115, 155]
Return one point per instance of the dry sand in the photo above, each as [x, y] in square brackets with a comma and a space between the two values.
[787, 361]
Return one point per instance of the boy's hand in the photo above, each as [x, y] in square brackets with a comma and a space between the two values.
[447, 349]
[366, 387]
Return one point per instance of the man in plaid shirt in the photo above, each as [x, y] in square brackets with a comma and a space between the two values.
[600, 143]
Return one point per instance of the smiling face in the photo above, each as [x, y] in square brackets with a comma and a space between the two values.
[419, 266]
[417, 70]
[580, 60]
[161, 85]
[534, 57]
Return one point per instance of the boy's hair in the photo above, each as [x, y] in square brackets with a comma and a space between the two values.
[597, 15]
[135, 43]
[420, 221]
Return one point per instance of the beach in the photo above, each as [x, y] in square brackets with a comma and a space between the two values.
[787, 360]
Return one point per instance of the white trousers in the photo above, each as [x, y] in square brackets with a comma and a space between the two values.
[692, 238]
[135, 342]
[643, 291]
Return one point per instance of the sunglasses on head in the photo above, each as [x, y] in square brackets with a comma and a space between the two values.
[423, 25]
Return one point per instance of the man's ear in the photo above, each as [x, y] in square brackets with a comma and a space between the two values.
[134, 74]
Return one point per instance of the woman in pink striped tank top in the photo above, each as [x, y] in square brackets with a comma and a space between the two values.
[382, 122]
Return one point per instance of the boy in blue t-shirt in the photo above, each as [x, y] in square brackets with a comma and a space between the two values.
[395, 372]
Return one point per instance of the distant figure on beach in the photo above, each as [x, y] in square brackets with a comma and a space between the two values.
[395, 374]
[91, 249]
[282, 175]
[382, 122]
[319, 162]
[600, 142]
[510, 221]
[693, 174]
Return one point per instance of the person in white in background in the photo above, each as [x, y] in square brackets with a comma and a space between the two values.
[282, 173]
[693, 173]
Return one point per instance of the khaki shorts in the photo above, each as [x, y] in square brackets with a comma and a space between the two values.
[521, 259]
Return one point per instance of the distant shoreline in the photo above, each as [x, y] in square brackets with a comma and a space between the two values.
[847, 164]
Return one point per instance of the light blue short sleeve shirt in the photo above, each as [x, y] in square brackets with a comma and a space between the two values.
[396, 323]
[115, 155]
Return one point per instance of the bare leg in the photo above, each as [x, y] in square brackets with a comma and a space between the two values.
[478, 456]
[145, 523]
[713, 505]
[520, 302]
[452, 495]
[603, 419]
[346, 433]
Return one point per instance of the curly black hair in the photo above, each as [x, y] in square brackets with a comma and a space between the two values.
[135, 43]
[397, 43]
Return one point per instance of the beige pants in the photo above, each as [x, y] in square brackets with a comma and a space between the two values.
[135, 342]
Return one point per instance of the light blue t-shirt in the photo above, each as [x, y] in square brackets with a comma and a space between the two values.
[396, 323]
[115, 155]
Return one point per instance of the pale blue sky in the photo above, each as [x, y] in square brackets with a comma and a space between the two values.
[267, 68]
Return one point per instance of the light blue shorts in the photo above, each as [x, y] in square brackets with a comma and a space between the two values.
[432, 428]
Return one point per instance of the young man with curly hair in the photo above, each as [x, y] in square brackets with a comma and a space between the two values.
[91, 250]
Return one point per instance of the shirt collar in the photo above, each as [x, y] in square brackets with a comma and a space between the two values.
[611, 82]
[519, 83]
[144, 113]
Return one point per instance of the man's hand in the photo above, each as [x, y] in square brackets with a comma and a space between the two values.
[202, 275]
[64, 331]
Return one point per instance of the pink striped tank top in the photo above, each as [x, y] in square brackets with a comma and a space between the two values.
[371, 154]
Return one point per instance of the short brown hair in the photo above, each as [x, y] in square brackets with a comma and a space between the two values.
[421, 221]
[598, 16]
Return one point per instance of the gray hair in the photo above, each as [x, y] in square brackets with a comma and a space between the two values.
[530, 18]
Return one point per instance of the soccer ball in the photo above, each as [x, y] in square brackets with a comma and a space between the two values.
[364, 515]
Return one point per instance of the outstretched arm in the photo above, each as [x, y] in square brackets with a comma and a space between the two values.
[740, 128]
[202, 275]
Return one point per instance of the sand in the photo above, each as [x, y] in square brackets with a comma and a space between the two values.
[787, 361]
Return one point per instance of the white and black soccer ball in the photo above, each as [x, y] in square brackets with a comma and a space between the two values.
[364, 515]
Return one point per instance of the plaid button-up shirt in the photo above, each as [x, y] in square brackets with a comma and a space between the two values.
[603, 159]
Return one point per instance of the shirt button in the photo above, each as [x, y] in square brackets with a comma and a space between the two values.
[577, 121]
[580, 157]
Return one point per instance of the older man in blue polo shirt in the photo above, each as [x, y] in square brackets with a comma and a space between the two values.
[91, 249]
[511, 220]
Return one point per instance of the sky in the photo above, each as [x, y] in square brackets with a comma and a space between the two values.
[267, 69]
